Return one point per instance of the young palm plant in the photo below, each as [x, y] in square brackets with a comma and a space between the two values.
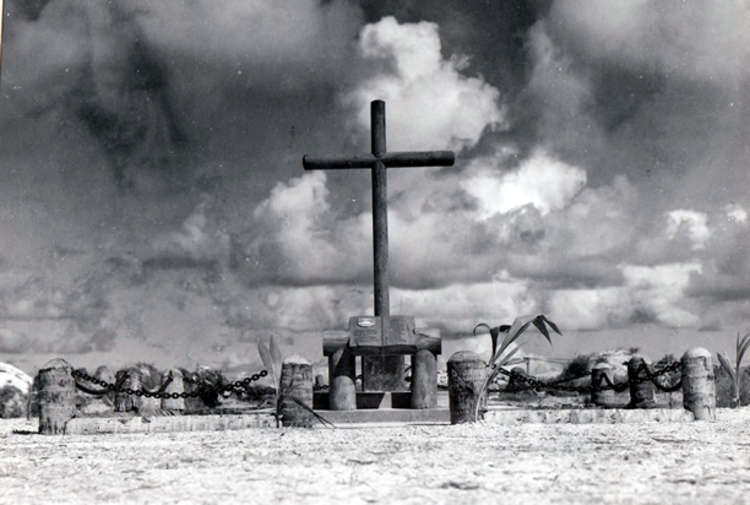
[270, 355]
[503, 354]
[734, 372]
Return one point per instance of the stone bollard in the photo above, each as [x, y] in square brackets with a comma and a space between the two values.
[144, 404]
[466, 376]
[698, 387]
[295, 388]
[125, 402]
[105, 374]
[602, 398]
[423, 380]
[176, 386]
[342, 391]
[642, 393]
[100, 404]
[57, 396]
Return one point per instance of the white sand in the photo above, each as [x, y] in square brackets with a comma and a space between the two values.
[533, 463]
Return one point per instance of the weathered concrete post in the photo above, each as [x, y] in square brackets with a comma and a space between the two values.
[144, 404]
[57, 390]
[698, 387]
[105, 374]
[466, 375]
[125, 402]
[177, 386]
[296, 388]
[602, 397]
[423, 380]
[342, 389]
[642, 393]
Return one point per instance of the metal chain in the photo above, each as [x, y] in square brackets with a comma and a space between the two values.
[236, 386]
[538, 385]
[652, 376]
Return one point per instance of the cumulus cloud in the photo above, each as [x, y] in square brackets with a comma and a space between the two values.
[736, 213]
[199, 241]
[13, 342]
[299, 239]
[540, 180]
[668, 37]
[649, 294]
[430, 103]
[694, 224]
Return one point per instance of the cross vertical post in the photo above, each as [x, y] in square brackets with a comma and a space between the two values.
[379, 212]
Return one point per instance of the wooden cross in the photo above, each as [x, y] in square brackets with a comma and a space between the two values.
[378, 161]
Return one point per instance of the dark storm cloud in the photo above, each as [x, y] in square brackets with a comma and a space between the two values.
[151, 177]
[164, 90]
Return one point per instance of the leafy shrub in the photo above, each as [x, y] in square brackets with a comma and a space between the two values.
[203, 378]
[12, 402]
[579, 366]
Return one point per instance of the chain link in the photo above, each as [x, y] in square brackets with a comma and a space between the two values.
[653, 376]
[226, 389]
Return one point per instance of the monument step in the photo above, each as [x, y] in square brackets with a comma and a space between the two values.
[370, 400]
[386, 416]
[379, 399]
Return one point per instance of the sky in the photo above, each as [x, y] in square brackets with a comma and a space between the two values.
[153, 205]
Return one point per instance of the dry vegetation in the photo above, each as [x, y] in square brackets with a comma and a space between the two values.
[590, 464]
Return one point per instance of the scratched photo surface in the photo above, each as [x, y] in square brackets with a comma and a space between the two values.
[181, 181]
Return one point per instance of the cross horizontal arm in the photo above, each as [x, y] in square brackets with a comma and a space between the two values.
[395, 159]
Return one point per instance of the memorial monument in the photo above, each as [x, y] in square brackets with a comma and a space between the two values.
[381, 340]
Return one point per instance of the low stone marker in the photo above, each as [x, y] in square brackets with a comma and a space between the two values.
[123, 401]
[342, 391]
[599, 396]
[642, 394]
[57, 391]
[423, 380]
[176, 386]
[104, 373]
[296, 388]
[698, 387]
[100, 404]
[466, 375]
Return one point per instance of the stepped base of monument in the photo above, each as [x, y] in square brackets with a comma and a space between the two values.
[370, 400]
[499, 415]
[386, 416]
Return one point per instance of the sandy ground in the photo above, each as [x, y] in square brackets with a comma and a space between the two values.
[533, 463]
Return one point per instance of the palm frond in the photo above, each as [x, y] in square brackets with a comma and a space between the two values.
[494, 334]
[742, 347]
[516, 330]
[551, 324]
[539, 323]
[268, 362]
[275, 353]
[322, 420]
[522, 323]
[505, 360]
[480, 325]
[726, 365]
